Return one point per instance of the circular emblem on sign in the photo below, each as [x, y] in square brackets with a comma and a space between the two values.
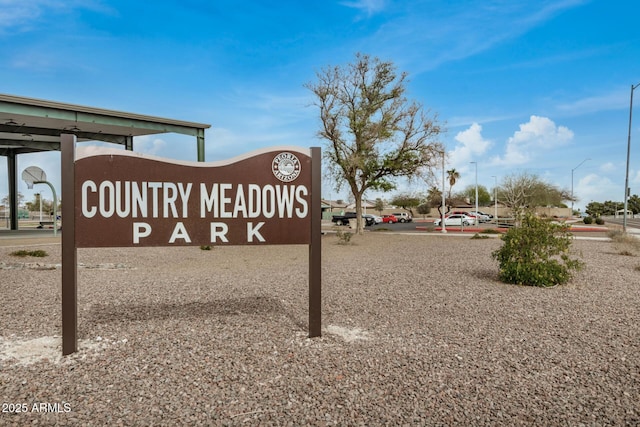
[286, 167]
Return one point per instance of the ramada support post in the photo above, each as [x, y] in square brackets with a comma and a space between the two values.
[69, 251]
[315, 247]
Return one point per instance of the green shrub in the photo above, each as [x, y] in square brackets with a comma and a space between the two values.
[587, 220]
[536, 254]
[206, 247]
[24, 253]
[599, 221]
[344, 237]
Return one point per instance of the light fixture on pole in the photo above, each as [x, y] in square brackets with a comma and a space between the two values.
[476, 163]
[443, 227]
[495, 198]
[626, 176]
[572, 182]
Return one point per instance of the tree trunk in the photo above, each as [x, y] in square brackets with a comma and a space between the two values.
[359, 219]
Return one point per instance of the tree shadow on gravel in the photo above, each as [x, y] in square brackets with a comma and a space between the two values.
[487, 274]
[260, 306]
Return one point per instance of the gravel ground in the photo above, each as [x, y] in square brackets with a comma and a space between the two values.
[417, 330]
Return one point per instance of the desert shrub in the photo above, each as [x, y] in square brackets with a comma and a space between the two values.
[599, 221]
[344, 237]
[479, 236]
[537, 253]
[490, 231]
[587, 220]
[24, 253]
[424, 209]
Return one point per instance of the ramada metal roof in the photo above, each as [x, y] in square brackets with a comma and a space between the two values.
[29, 125]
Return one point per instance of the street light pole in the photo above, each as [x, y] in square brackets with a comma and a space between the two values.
[572, 183]
[626, 176]
[495, 199]
[476, 163]
[442, 224]
[40, 199]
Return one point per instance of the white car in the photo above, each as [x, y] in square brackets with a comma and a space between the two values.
[372, 219]
[456, 219]
[482, 217]
[403, 217]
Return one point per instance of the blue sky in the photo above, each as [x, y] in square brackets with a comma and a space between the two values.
[536, 86]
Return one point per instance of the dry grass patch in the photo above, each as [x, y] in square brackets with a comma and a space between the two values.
[625, 244]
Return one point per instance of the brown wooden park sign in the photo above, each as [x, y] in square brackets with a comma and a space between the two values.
[117, 198]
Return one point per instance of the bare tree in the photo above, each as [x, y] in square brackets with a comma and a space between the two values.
[528, 191]
[5, 199]
[374, 133]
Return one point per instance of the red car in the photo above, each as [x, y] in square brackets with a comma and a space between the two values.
[389, 219]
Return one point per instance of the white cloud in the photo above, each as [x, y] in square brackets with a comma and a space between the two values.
[17, 13]
[24, 15]
[471, 144]
[461, 30]
[608, 167]
[368, 6]
[149, 144]
[594, 187]
[616, 100]
[537, 135]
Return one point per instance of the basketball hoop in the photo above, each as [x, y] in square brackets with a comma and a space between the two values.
[32, 175]
[35, 175]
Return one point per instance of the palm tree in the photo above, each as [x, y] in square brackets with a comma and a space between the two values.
[453, 176]
[434, 198]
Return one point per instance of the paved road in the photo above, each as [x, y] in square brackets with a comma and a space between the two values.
[28, 237]
[411, 226]
[631, 222]
[633, 225]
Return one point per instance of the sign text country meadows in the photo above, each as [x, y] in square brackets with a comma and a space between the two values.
[147, 203]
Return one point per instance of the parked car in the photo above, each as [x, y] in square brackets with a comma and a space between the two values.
[456, 219]
[403, 217]
[389, 219]
[371, 219]
[345, 219]
[482, 217]
[461, 213]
